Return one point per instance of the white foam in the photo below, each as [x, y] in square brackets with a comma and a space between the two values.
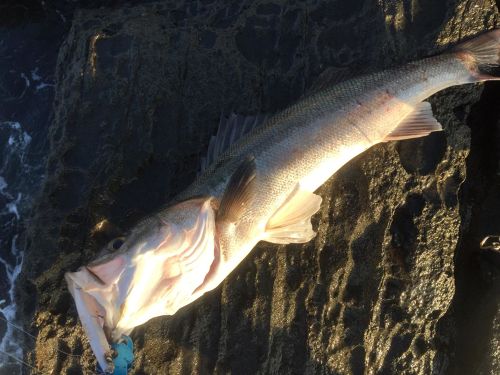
[13, 151]
[9, 344]
[38, 78]
[43, 85]
[19, 140]
[26, 79]
[12, 206]
[34, 75]
[26, 139]
[11, 124]
[3, 184]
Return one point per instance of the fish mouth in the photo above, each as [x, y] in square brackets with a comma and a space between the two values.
[94, 275]
[91, 313]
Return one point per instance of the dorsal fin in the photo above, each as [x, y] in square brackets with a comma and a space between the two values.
[330, 77]
[419, 123]
[238, 192]
[291, 223]
[231, 129]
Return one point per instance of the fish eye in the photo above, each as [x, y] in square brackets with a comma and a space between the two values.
[117, 243]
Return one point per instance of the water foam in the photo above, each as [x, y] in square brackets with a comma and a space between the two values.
[14, 143]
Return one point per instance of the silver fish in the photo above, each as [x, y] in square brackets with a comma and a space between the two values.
[261, 188]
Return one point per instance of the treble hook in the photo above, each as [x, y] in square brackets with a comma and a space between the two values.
[491, 242]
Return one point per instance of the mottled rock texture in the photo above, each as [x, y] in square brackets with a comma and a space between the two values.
[139, 92]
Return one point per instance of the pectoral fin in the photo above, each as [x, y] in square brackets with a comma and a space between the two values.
[419, 123]
[238, 192]
[291, 223]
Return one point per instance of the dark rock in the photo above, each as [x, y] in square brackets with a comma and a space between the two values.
[476, 304]
[422, 155]
[337, 11]
[268, 8]
[139, 92]
[208, 39]
[257, 40]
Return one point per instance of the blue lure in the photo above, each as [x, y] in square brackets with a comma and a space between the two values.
[124, 357]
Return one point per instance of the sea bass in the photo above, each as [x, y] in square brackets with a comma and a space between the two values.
[258, 185]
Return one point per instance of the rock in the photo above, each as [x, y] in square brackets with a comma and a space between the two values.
[139, 92]
[475, 310]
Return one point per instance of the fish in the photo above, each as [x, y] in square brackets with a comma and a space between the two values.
[258, 183]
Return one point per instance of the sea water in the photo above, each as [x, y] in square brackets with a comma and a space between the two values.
[14, 143]
[28, 53]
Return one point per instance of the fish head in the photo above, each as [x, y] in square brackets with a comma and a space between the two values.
[155, 270]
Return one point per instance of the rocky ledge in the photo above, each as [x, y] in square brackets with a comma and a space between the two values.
[394, 281]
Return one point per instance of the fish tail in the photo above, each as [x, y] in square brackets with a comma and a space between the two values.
[481, 55]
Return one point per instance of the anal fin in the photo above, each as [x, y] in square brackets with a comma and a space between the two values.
[419, 123]
[291, 223]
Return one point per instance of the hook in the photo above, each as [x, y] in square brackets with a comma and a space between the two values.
[491, 242]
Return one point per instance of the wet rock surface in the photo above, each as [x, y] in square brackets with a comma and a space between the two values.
[386, 286]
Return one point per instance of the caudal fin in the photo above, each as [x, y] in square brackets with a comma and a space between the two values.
[482, 55]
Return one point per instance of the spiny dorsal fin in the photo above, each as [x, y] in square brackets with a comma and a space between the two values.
[330, 77]
[239, 192]
[419, 123]
[231, 129]
[291, 223]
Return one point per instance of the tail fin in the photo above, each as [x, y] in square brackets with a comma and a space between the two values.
[481, 55]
